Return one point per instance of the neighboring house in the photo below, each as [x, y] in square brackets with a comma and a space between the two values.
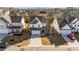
[7, 17]
[3, 26]
[62, 26]
[17, 24]
[37, 24]
[74, 22]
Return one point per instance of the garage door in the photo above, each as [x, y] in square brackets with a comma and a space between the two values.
[65, 31]
[35, 32]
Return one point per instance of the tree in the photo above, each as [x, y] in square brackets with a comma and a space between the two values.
[27, 19]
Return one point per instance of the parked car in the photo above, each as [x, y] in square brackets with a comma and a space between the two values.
[3, 46]
[71, 37]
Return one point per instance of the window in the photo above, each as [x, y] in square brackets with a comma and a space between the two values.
[38, 25]
[1, 26]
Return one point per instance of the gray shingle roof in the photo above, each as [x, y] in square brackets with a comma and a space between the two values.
[2, 18]
[71, 19]
[62, 22]
[16, 19]
[7, 17]
[34, 22]
[59, 20]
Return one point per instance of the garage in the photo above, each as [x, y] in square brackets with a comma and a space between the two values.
[36, 32]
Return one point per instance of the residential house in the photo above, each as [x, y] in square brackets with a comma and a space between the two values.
[74, 22]
[62, 26]
[17, 24]
[37, 24]
[3, 26]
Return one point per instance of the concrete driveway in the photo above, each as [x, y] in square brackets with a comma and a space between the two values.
[35, 40]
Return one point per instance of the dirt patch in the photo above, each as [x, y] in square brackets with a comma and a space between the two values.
[45, 40]
[23, 43]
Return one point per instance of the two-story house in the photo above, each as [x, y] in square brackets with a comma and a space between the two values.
[37, 24]
[74, 22]
[17, 24]
[62, 26]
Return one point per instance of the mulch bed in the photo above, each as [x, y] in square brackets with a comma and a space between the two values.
[45, 40]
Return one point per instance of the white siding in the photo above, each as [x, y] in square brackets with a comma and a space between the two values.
[65, 31]
[75, 24]
[74, 20]
[66, 27]
[3, 27]
[38, 25]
